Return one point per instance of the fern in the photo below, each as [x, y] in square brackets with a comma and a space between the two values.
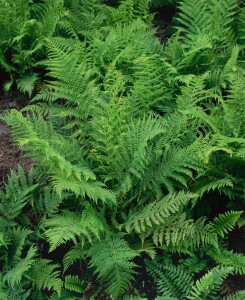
[208, 286]
[158, 212]
[229, 259]
[225, 222]
[46, 276]
[69, 226]
[127, 136]
[8, 293]
[64, 174]
[14, 276]
[112, 262]
[194, 264]
[18, 191]
[26, 26]
[73, 283]
[241, 27]
[27, 83]
[208, 20]
[82, 94]
[128, 10]
[148, 92]
[237, 296]
[48, 202]
[77, 253]
[171, 281]
[183, 235]
[85, 17]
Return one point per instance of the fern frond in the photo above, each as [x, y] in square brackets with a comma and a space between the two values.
[16, 292]
[70, 226]
[200, 18]
[14, 276]
[73, 283]
[225, 222]
[158, 212]
[86, 17]
[208, 286]
[230, 68]
[77, 253]
[72, 73]
[27, 83]
[241, 26]
[45, 275]
[171, 281]
[149, 92]
[178, 164]
[227, 258]
[18, 237]
[49, 13]
[180, 234]
[48, 202]
[129, 10]
[64, 174]
[194, 264]
[212, 185]
[112, 261]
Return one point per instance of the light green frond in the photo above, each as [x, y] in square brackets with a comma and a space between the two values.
[70, 226]
[112, 261]
[158, 212]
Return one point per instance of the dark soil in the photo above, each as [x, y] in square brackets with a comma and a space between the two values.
[10, 155]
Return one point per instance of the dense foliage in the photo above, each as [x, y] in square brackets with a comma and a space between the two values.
[130, 139]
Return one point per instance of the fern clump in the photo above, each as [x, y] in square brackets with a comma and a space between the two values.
[131, 140]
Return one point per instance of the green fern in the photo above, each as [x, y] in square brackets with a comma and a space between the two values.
[183, 235]
[25, 26]
[171, 281]
[237, 296]
[208, 286]
[158, 212]
[45, 275]
[77, 253]
[112, 262]
[127, 136]
[224, 223]
[18, 191]
[73, 283]
[64, 174]
[27, 84]
[70, 226]
[229, 259]
[14, 276]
